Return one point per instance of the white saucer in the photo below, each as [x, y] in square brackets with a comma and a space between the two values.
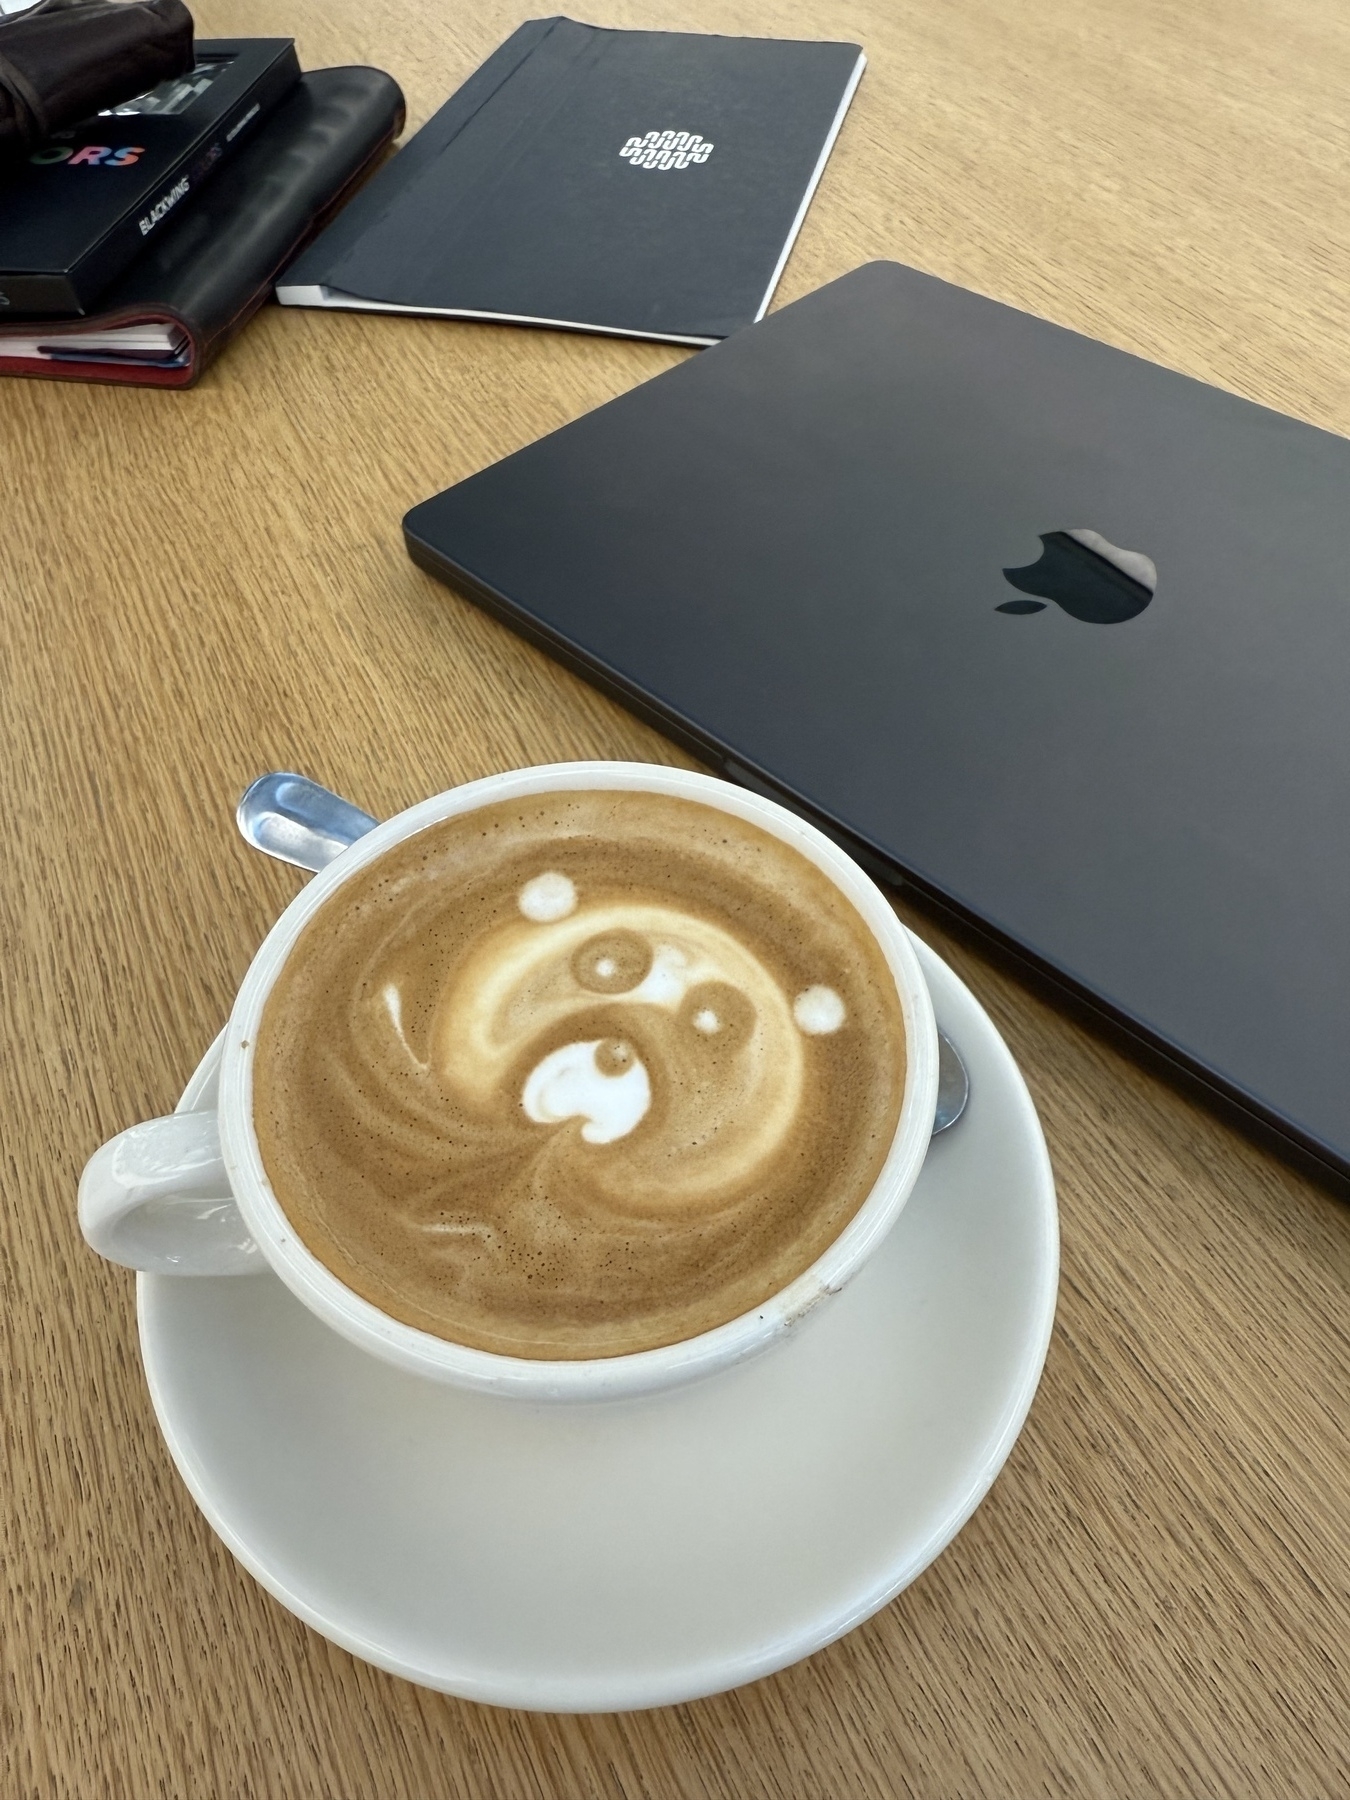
[645, 1552]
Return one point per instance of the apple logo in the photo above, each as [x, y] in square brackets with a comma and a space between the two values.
[1088, 576]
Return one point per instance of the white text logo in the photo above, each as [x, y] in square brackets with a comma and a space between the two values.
[666, 150]
[158, 210]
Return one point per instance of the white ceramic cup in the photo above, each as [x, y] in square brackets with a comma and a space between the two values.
[188, 1195]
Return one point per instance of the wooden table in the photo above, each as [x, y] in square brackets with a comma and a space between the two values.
[1155, 1597]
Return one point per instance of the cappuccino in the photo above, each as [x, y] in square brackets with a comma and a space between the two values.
[578, 1074]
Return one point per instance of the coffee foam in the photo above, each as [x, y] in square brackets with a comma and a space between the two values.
[579, 1075]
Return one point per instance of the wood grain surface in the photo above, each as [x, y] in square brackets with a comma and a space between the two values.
[1155, 1597]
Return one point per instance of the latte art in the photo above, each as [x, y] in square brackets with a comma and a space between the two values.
[579, 1075]
[677, 1025]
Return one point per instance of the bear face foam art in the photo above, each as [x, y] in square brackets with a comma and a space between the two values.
[664, 1017]
[582, 1080]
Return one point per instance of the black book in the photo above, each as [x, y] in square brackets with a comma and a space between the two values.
[639, 183]
[85, 203]
[202, 278]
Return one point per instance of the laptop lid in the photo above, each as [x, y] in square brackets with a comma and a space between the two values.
[1056, 635]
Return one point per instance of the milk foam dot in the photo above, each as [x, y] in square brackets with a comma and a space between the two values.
[612, 962]
[706, 1020]
[548, 897]
[818, 1011]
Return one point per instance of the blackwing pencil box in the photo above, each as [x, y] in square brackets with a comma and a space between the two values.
[84, 204]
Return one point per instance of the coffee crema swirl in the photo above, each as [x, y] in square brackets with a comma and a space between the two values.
[580, 1074]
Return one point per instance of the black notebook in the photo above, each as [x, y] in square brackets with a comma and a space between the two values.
[90, 200]
[639, 183]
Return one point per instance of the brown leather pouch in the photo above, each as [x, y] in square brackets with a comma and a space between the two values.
[64, 59]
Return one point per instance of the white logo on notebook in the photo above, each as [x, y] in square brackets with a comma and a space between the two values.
[666, 150]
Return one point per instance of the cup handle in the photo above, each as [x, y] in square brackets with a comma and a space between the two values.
[157, 1197]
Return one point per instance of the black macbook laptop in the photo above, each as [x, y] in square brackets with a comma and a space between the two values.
[1058, 637]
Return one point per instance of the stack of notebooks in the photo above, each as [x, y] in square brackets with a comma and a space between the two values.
[133, 247]
[637, 183]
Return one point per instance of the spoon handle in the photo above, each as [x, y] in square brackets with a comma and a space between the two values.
[294, 819]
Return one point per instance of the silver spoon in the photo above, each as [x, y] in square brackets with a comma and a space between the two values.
[294, 819]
